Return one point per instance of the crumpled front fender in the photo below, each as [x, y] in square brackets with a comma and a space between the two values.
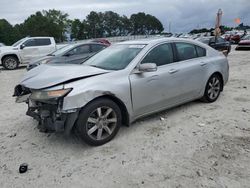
[81, 99]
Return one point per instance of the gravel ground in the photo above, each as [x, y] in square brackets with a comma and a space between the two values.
[193, 145]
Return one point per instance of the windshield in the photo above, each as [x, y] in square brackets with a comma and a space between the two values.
[18, 42]
[116, 57]
[62, 50]
[204, 40]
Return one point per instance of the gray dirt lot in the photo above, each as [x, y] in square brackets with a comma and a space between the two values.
[193, 145]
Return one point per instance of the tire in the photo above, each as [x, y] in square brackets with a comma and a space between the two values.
[99, 122]
[213, 88]
[10, 63]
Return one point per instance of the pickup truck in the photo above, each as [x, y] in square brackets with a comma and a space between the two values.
[26, 50]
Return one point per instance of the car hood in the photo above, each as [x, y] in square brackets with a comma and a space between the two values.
[45, 76]
[7, 48]
[39, 60]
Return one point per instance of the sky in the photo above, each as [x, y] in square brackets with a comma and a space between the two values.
[184, 15]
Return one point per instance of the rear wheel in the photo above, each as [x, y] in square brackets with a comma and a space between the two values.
[213, 89]
[10, 63]
[99, 122]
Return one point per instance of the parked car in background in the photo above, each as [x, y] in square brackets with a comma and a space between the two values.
[120, 84]
[217, 43]
[73, 53]
[234, 39]
[1, 44]
[244, 43]
[25, 50]
[103, 41]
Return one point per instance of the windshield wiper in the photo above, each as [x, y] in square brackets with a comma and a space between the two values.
[103, 68]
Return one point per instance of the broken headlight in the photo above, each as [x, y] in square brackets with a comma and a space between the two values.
[47, 95]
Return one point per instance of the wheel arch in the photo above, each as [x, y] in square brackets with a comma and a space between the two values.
[10, 55]
[220, 76]
[121, 105]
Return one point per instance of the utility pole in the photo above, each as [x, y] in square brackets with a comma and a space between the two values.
[217, 31]
[169, 27]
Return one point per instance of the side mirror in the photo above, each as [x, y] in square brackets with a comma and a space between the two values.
[22, 46]
[147, 67]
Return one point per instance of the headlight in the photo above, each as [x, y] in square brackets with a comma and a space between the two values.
[46, 95]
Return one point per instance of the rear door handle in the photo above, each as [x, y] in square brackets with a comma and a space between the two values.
[172, 71]
[203, 63]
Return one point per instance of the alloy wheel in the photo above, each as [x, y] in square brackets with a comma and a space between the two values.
[101, 123]
[10, 63]
[213, 88]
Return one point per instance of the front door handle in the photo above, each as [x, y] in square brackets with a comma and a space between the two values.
[172, 71]
[203, 64]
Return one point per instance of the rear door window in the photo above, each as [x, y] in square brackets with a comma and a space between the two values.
[83, 49]
[160, 55]
[185, 51]
[201, 52]
[43, 42]
[97, 47]
[220, 40]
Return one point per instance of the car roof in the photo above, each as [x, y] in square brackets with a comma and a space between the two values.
[153, 41]
[144, 41]
[39, 37]
[82, 43]
[207, 37]
[99, 43]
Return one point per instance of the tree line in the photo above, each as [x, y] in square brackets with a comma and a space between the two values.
[96, 25]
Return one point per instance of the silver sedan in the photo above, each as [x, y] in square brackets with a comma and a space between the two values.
[120, 84]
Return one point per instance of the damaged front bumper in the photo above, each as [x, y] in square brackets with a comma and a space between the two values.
[48, 113]
[50, 118]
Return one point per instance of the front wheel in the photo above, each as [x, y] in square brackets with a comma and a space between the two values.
[10, 63]
[213, 89]
[99, 122]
